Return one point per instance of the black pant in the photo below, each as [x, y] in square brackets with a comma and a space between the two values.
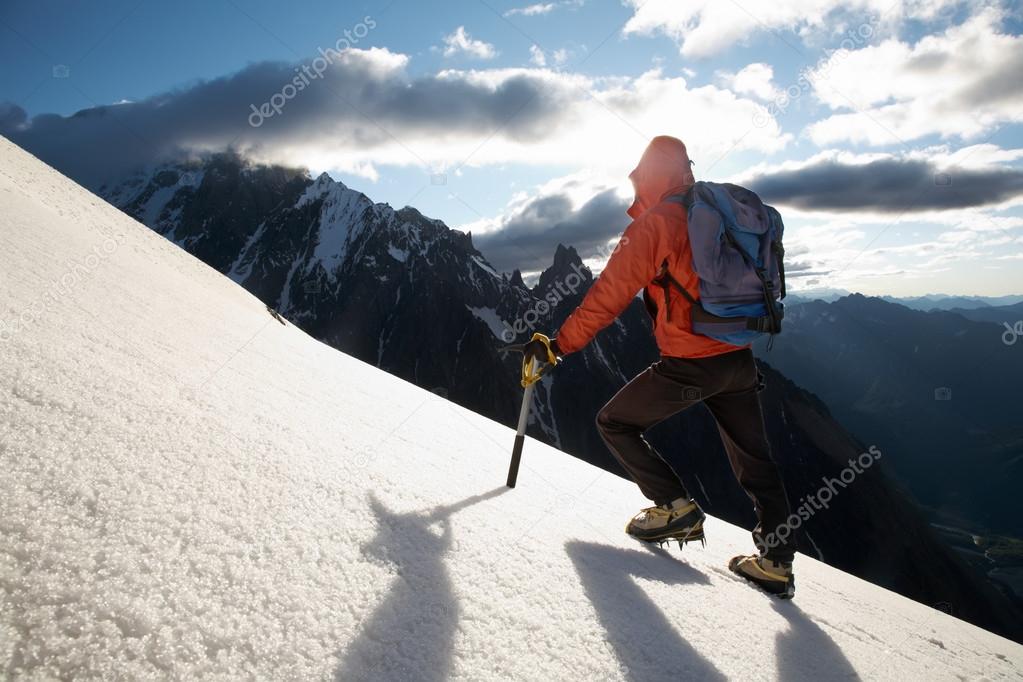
[728, 385]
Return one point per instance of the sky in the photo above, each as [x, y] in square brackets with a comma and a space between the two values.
[889, 133]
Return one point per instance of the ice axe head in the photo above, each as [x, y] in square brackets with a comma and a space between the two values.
[532, 367]
[513, 348]
[532, 371]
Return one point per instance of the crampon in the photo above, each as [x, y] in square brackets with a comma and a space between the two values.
[680, 520]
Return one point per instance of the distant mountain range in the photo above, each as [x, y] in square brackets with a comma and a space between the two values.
[938, 390]
[407, 294]
[945, 302]
[927, 302]
[1000, 315]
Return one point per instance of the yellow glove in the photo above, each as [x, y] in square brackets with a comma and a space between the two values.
[536, 355]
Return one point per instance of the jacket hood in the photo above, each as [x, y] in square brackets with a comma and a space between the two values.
[663, 170]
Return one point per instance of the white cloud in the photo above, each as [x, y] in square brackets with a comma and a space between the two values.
[889, 256]
[605, 123]
[536, 56]
[753, 79]
[531, 10]
[979, 155]
[560, 56]
[366, 112]
[460, 42]
[961, 83]
[557, 58]
[706, 27]
[541, 8]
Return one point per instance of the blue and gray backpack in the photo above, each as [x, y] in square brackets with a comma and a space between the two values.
[736, 241]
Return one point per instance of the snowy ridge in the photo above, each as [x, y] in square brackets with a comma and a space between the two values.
[152, 190]
[341, 213]
[242, 266]
[319, 234]
[495, 324]
[192, 490]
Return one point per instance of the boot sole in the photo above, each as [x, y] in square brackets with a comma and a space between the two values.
[771, 588]
[682, 537]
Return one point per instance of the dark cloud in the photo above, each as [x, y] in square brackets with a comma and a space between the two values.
[888, 185]
[998, 84]
[527, 240]
[363, 100]
[11, 116]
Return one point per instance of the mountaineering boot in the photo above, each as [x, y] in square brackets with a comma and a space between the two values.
[681, 520]
[773, 577]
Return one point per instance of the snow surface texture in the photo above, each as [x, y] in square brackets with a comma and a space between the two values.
[190, 489]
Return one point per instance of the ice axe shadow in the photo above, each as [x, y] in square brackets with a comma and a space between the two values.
[410, 634]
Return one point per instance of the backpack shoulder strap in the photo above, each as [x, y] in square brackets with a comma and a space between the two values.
[686, 198]
[667, 281]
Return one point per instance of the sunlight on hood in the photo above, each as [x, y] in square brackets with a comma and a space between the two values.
[663, 170]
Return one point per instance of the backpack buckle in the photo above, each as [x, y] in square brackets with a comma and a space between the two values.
[764, 325]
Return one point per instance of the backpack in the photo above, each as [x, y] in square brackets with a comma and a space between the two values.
[736, 241]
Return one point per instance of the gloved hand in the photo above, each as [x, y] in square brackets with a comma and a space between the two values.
[541, 350]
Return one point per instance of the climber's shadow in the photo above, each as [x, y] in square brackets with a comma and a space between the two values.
[805, 651]
[411, 633]
[646, 643]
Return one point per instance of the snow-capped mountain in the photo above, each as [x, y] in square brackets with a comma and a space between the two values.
[192, 490]
[409, 295]
[392, 287]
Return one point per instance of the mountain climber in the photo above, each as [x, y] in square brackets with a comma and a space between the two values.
[693, 368]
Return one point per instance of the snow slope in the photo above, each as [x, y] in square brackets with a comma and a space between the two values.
[190, 489]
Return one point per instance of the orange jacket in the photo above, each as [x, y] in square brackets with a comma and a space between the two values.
[657, 233]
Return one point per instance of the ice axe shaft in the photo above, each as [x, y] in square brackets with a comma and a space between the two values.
[520, 436]
[531, 373]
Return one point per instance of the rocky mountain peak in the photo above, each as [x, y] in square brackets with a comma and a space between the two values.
[567, 268]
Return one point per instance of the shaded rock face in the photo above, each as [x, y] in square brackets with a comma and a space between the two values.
[410, 295]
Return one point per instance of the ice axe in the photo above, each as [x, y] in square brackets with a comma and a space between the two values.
[530, 375]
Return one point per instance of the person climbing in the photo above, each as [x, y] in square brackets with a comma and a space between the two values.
[693, 368]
